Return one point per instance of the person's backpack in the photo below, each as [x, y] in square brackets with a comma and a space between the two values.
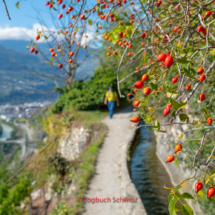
[109, 93]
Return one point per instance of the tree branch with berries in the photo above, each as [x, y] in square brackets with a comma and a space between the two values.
[170, 47]
[176, 45]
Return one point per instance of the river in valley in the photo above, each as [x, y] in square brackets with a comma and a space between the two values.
[148, 174]
[6, 130]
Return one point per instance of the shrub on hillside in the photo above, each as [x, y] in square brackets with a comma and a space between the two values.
[85, 95]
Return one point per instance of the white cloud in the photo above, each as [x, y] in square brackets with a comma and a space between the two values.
[20, 33]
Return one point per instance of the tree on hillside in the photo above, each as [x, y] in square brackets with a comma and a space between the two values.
[175, 42]
[89, 95]
[68, 40]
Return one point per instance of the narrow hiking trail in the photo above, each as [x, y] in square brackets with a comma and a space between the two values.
[112, 178]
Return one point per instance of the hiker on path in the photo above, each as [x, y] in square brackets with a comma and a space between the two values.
[110, 100]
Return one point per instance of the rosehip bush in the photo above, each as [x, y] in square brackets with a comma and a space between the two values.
[173, 43]
[176, 45]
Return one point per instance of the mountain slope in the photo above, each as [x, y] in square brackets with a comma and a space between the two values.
[19, 83]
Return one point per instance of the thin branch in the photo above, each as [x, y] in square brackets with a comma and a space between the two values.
[201, 145]
[8, 15]
[210, 155]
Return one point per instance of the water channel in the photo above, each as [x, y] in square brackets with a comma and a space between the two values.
[148, 174]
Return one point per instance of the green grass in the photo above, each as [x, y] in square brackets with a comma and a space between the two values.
[62, 209]
[87, 168]
[87, 117]
[84, 166]
[91, 116]
[16, 153]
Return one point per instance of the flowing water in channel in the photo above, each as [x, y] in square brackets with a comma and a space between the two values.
[149, 175]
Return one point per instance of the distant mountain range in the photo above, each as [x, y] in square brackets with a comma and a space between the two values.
[19, 83]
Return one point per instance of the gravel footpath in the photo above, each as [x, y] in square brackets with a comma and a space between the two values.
[112, 178]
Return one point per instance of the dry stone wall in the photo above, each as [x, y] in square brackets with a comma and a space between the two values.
[72, 144]
[177, 174]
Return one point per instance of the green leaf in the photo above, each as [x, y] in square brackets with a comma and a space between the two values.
[176, 162]
[197, 197]
[170, 197]
[156, 125]
[189, 72]
[183, 117]
[90, 22]
[177, 105]
[163, 131]
[97, 7]
[164, 75]
[51, 62]
[177, 188]
[145, 57]
[179, 44]
[206, 180]
[172, 207]
[17, 4]
[172, 94]
[200, 193]
[180, 136]
[71, 1]
[182, 105]
[186, 209]
[206, 114]
[177, 194]
[177, 208]
[173, 114]
[154, 86]
[27, 47]
[186, 196]
[46, 37]
[212, 172]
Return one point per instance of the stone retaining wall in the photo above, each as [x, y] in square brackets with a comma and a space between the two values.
[71, 145]
[177, 174]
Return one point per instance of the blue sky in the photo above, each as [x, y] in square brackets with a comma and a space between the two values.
[24, 21]
[26, 16]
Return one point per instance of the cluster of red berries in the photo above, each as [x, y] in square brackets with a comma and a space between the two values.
[167, 59]
[63, 7]
[146, 91]
[167, 109]
[210, 191]
[201, 29]
[201, 78]
[33, 50]
[171, 158]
